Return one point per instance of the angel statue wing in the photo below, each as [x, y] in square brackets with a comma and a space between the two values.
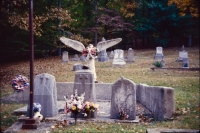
[73, 44]
[108, 43]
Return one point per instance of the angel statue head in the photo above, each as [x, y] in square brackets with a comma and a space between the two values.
[90, 52]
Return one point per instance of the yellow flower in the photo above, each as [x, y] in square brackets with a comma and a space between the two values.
[87, 103]
[73, 107]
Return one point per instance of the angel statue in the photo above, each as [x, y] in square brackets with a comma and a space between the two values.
[90, 52]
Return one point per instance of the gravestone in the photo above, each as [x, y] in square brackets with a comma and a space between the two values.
[84, 83]
[103, 56]
[185, 63]
[45, 93]
[182, 54]
[111, 56]
[65, 57]
[77, 66]
[76, 58]
[159, 54]
[123, 96]
[118, 58]
[130, 57]
[82, 58]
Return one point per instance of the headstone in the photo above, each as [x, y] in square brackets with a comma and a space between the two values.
[162, 63]
[130, 57]
[103, 57]
[182, 54]
[45, 93]
[118, 58]
[111, 56]
[65, 57]
[76, 58]
[185, 63]
[77, 66]
[159, 54]
[82, 58]
[123, 96]
[84, 83]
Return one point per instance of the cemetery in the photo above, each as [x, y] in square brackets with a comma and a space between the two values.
[140, 94]
[109, 66]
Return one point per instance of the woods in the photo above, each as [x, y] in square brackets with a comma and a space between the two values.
[141, 24]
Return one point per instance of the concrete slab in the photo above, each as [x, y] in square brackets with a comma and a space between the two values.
[166, 130]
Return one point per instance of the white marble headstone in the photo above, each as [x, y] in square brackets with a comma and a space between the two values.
[130, 57]
[65, 57]
[118, 58]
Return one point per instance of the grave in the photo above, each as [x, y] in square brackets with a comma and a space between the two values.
[123, 96]
[111, 56]
[103, 56]
[158, 99]
[76, 58]
[82, 58]
[45, 93]
[159, 54]
[118, 58]
[84, 83]
[130, 56]
[182, 54]
[77, 66]
[185, 63]
[65, 57]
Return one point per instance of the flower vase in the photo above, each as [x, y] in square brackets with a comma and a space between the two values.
[123, 117]
[88, 114]
[75, 117]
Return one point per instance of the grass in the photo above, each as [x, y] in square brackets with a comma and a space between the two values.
[185, 83]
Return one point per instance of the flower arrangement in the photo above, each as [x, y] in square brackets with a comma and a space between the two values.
[122, 114]
[89, 107]
[93, 51]
[19, 83]
[74, 105]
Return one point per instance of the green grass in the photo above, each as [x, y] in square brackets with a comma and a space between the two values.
[185, 84]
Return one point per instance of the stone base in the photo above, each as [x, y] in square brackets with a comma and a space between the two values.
[29, 124]
[165, 130]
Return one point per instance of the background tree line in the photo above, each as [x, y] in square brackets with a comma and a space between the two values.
[141, 24]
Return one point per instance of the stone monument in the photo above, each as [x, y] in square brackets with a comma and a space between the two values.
[159, 54]
[118, 58]
[90, 52]
[65, 57]
[45, 93]
[123, 96]
[130, 57]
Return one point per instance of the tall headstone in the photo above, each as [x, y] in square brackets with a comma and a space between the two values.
[103, 56]
[65, 57]
[118, 58]
[84, 83]
[45, 93]
[130, 57]
[159, 54]
[123, 96]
